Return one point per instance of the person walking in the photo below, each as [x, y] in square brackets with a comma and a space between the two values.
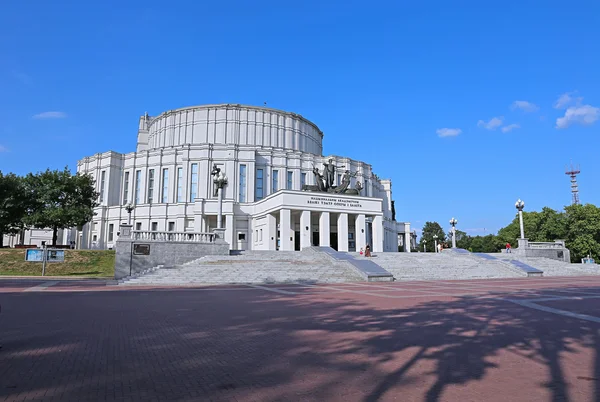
[368, 251]
[508, 248]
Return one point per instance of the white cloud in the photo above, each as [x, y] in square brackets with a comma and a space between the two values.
[566, 99]
[580, 114]
[493, 124]
[3, 149]
[524, 106]
[448, 132]
[510, 127]
[50, 115]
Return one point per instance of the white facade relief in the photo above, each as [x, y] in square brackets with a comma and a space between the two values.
[268, 156]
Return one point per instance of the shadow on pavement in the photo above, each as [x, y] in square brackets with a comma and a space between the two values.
[256, 345]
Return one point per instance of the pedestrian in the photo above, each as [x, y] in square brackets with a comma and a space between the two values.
[440, 247]
[361, 251]
[368, 251]
[508, 248]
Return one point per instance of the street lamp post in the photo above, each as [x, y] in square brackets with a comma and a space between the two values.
[129, 208]
[220, 181]
[520, 205]
[435, 237]
[424, 246]
[453, 222]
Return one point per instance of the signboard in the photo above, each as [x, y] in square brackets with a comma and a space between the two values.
[334, 202]
[34, 254]
[141, 249]
[37, 255]
[55, 255]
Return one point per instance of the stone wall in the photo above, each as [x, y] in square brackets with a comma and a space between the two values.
[135, 256]
[554, 251]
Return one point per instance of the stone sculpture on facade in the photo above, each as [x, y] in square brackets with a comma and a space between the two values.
[324, 182]
[215, 173]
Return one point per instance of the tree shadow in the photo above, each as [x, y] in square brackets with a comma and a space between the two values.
[253, 345]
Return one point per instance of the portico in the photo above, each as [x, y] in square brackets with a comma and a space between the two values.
[293, 220]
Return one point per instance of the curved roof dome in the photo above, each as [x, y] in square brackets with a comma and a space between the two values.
[233, 124]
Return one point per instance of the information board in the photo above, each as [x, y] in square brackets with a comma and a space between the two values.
[37, 255]
[34, 254]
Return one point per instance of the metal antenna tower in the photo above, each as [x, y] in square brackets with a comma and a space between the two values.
[573, 172]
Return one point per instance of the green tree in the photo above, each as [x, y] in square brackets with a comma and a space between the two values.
[429, 230]
[486, 244]
[60, 200]
[463, 240]
[583, 236]
[13, 204]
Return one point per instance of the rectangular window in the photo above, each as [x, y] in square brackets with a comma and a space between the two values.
[290, 180]
[302, 180]
[150, 186]
[171, 226]
[165, 186]
[154, 226]
[102, 179]
[242, 195]
[275, 181]
[259, 184]
[194, 182]
[138, 184]
[179, 184]
[138, 226]
[111, 229]
[126, 188]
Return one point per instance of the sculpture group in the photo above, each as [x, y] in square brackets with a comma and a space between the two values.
[325, 182]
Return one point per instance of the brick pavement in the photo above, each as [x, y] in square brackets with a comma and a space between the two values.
[418, 341]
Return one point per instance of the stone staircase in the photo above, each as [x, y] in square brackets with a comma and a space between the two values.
[447, 265]
[552, 267]
[253, 267]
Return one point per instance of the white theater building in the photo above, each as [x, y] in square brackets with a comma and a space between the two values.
[268, 156]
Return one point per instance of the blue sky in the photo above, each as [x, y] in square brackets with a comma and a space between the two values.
[424, 91]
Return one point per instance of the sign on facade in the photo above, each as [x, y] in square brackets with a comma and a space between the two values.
[141, 249]
[334, 202]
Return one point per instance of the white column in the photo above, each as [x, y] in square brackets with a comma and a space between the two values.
[324, 230]
[407, 237]
[377, 234]
[285, 229]
[220, 209]
[271, 239]
[342, 231]
[229, 232]
[305, 230]
[360, 229]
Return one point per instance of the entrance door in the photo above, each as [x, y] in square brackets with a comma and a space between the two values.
[333, 241]
[315, 239]
[297, 240]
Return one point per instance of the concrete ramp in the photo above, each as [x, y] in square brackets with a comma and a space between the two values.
[369, 270]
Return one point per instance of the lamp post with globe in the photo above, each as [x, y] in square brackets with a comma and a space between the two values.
[435, 237]
[424, 246]
[220, 181]
[453, 222]
[520, 205]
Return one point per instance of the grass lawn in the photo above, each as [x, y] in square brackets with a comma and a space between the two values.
[78, 263]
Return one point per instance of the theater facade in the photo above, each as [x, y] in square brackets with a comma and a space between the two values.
[282, 192]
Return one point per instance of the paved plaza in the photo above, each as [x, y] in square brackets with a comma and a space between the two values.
[526, 339]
